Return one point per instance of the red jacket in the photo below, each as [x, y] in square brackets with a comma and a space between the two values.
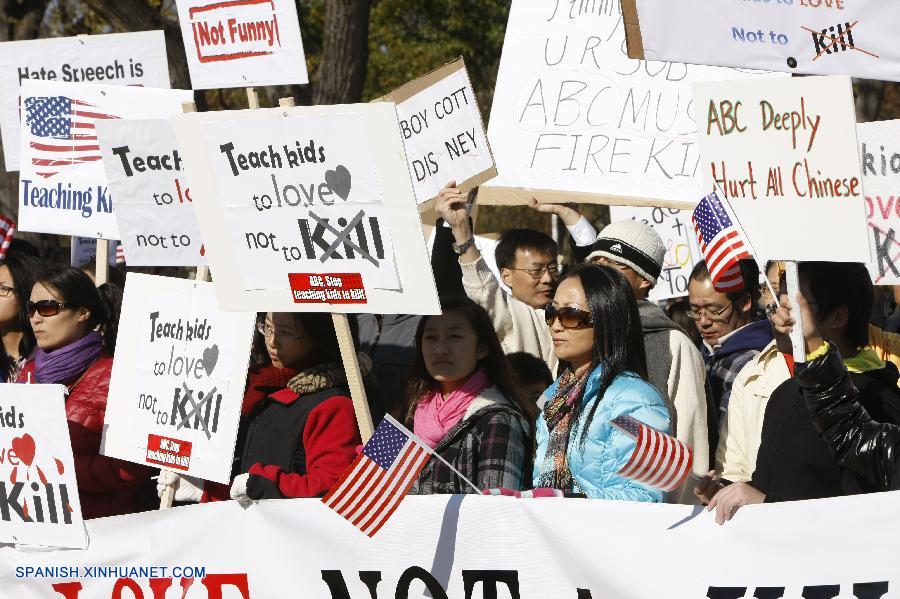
[106, 485]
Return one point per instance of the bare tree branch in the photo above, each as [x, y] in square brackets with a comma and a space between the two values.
[345, 53]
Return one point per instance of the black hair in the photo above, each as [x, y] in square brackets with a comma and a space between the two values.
[678, 313]
[529, 369]
[318, 325]
[836, 284]
[23, 268]
[749, 275]
[523, 239]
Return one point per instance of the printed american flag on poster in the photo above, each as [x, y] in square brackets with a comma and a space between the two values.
[7, 230]
[722, 242]
[61, 131]
[379, 478]
[658, 460]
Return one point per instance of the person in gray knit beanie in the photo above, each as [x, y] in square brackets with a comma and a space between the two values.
[634, 244]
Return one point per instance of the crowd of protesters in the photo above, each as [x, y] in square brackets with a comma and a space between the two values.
[516, 384]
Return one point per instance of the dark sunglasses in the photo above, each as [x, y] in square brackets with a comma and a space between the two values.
[569, 318]
[45, 307]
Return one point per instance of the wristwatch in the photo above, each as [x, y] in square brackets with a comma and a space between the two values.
[461, 248]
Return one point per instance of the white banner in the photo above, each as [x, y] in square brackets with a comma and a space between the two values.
[39, 502]
[154, 209]
[62, 185]
[470, 547]
[178, 380]
[879, 147]
[119, 58]
[573, 113]
[816, 37]
[242, 43]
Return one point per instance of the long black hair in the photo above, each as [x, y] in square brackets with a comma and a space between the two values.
[319, 326]
[23, 267]
[618, 336]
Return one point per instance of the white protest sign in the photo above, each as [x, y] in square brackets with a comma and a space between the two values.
[117, 59]
[84, 251]
[177, 383]
[308, 209]
[154, 209]
[572, 113]
[815, 37]
[62, 185]
[39, 502]
[879, 146]
[677, 232]
[784, 153]
[442, 131]
[242, 43]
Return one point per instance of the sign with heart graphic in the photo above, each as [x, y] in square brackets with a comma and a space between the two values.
[178, 379]
[24, 448]
[339, 181]
[879, 147]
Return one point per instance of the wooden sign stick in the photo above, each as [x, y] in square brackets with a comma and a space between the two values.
[101, 259]
[798, 344]
[252, 98]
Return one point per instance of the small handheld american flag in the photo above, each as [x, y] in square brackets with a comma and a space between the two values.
[722, 242]
[379, 478]
[658, 460]
[7, 230]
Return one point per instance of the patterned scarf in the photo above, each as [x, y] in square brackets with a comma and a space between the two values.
[559, 413]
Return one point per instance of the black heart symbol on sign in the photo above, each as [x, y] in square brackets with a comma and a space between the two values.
[210, 357]
[339, 181]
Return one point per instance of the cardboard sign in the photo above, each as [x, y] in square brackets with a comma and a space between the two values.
[178, 379]
[784, 152]
[84, 251]
[815, 37]
[572, 113]
[677, 232]
[310, 191]
[154, 209]
[39, 502]
[879, 146]
[114, 59]
[242, 43]
[62, 185]
[442, 131]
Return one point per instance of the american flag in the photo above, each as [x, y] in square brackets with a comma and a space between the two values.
[379, 478]
[658, 460]
[7, 230]
[120, 253]
[62, 131]
[722, 242]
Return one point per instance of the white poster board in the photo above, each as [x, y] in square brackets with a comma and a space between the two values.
[308, 209]
[154, 210]
[677, 232]
[784, 153]
[62, 185]
[879, 147]
[573, 118]
[84, 251]
[177, 383]
[39, 503]
[116, 59]
[814, 37]
[242, 43]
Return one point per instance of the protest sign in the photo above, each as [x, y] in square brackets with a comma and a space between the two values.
[84, 251]
[242, 43]
[879, 147]
[116, 59]
[784, 153]
[813, 37]
[154, 210]
[677, 232]
[177, 383]
[39, 502]
[62, 185]
[294, 213]
[442, 131]
[574, 119]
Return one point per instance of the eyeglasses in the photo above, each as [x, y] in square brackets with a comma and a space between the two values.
[268, 331]
[569, 318]
[713, 315]
[6, 291]
[538, 271]
[45, 307]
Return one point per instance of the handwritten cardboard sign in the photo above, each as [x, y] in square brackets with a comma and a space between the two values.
[574, 118]
[115, 59]
[879, 146]
[815, 37]
[178, 379]
[308, 190]
[39, 502]
[154, 208]
[242, 43]
[784, 152]
[62, 184]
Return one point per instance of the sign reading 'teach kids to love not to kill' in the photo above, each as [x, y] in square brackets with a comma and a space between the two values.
[879, 147]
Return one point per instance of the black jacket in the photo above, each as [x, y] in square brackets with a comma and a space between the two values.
[868, 448]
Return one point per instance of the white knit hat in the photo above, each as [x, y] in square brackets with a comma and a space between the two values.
[632, 243]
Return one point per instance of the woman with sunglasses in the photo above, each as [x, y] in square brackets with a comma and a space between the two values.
[16, 280]
[66, 310]
[597, 337]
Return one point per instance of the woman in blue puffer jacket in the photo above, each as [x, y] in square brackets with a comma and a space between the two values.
[597, 337]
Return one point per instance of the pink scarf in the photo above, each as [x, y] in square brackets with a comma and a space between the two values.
[436, 416]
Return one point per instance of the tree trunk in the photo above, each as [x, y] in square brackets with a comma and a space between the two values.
[345, 53]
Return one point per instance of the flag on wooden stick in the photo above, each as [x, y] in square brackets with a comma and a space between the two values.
[7, 230]
[658, 460]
